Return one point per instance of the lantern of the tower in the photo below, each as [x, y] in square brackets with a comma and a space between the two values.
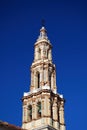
[43, 72]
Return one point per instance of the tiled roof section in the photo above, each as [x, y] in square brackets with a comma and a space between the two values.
[7, 126]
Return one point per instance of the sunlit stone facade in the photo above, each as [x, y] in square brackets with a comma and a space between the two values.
[43, 107]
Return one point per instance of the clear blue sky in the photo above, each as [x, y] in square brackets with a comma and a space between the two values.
[66, 23]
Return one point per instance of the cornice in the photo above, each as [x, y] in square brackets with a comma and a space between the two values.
[36, 93]
[41, 94]
[42, 42]
[44, 62]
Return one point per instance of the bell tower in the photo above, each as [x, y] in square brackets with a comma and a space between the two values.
[43, 107]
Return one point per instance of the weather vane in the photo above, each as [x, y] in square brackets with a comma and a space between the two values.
[43, 22]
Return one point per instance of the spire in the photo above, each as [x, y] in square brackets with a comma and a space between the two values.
[43, 34]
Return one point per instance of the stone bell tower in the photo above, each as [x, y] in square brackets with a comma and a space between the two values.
[43, 107]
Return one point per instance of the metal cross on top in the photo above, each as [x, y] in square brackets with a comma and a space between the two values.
[43, 22]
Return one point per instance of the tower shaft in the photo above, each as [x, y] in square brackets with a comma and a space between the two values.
[43, 107]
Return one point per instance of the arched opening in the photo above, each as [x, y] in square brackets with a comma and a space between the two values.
[38, 80]
[29, 112]
[58, 115]
[39, 109]
[50, 79]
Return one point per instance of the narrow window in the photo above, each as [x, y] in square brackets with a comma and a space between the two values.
[39, 53]
[30, 112]
[38, 79]
[50, 79]
[39, 109]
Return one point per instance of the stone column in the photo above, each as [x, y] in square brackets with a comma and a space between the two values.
[47, 76]
[54, 111]
[50, 111]
[33, 110]
[42, 49]
[54, 80]
[44, 75]
[45, 106]
[41, 76]
[36, 53]
[29, 118]
[55, 114]
[32, 79]
[61, 116]
[24, 120]
[42, 107]
[49, 107]
[50, 55]
[24, 114]
[35, 79]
